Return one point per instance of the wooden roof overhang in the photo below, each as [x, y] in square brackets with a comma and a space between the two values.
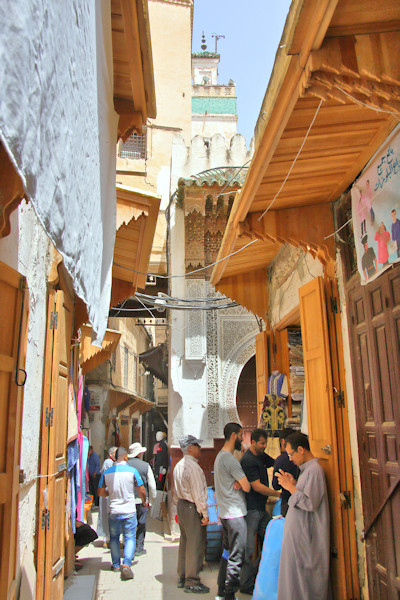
[91, 356]
[343, 52]
[137, 213]
[123, 400]
[134, 89]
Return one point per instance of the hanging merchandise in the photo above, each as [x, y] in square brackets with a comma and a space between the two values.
[296, 376]
[272, 416]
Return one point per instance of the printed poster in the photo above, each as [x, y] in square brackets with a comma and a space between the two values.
[375, 198]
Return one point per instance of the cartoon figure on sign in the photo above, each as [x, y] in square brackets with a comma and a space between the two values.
[382, 237]
[364, 206]
[396, 231]
[368, 261]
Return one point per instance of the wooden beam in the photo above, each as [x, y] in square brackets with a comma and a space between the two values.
[11, 191]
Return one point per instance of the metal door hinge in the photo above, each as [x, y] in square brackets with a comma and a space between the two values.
[334, 306]
[49, 417]
[274, 348]
[53, 320]
[340, 399]
[347, 496]
[45, 519]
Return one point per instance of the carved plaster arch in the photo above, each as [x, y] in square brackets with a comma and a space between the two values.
[235, 361]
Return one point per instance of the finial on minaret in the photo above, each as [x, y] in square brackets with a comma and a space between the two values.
[203, 42]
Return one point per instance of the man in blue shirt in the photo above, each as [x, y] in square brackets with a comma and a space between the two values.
[94, 473]
[118, 483]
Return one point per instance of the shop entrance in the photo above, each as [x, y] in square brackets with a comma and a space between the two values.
[246, 399]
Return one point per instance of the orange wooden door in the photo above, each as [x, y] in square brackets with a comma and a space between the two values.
[322, 422]
[13, 321]
[51, 522]
[261, 369]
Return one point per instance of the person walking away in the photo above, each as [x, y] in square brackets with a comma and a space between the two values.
[94, 473]
[230, 485]
[284, 463]
[255, 463]
[160, 460]
[118, 483]
[304, 564]
[190, 493]
[103, 528]
[135, 459]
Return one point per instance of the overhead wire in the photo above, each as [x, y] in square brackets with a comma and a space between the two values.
[293, 163]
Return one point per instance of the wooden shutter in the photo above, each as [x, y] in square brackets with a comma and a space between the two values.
[261, 369]
[13, 321]
[51, 522]
[321, 414]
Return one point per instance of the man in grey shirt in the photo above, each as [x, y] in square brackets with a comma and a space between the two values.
[230, 485]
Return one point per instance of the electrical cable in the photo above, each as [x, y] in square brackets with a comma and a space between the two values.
[166, 297]
[340, 228]
[191, 272]
[361, 103]
[293, 163]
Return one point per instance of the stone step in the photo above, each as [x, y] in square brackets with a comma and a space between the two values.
[82, 587]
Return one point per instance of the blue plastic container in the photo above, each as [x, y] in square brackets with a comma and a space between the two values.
[214, 529]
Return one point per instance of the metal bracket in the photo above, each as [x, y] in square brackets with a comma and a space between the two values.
[347, 496]
[49, 417]
[334, 306]
[53, 320]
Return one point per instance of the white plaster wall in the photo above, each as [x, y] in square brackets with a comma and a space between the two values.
[98, 421]
[209, 125]
[187, 161]
[34, 261]
[297, 268]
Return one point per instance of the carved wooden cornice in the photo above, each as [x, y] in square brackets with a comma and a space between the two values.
[360, 68]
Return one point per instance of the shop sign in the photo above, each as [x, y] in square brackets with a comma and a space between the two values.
[375, 200]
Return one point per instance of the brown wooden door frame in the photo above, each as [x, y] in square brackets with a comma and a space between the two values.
[374, 323]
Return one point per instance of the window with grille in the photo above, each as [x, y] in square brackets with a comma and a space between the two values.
[134, 147]
[126, 366]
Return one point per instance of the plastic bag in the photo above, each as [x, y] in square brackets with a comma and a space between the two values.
[266, 586]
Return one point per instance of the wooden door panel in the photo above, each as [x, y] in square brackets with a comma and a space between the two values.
[13, 322]
[321, 414]
[51, 553]
[376, 372]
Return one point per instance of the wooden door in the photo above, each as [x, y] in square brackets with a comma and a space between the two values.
[261, 369]
[246, 399]
[13, 321]
[51, 522]
[374, 322]
[322, 427]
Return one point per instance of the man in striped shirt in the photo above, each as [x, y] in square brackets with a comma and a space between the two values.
[118, 483]
[190, 492]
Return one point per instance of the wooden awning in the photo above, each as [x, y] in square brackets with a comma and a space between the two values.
[134, 88]
[122, 400]
[91, 356]
[343, 53]
[137, 213]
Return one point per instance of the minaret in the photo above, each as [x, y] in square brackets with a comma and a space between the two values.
[214, 108]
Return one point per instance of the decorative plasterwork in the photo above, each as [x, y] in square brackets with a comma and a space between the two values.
[230, 344]
[195, 333]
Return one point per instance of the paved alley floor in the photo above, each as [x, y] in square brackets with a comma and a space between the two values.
[155, 575]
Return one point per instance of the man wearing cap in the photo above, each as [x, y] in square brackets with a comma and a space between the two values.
[190, 492]
[118, 483]
[135, 456]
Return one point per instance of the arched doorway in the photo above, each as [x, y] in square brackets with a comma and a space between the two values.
[246, 399]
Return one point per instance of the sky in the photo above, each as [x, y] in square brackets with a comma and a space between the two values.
[252, 33]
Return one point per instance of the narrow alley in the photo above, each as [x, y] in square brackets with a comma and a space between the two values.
[155, 576]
